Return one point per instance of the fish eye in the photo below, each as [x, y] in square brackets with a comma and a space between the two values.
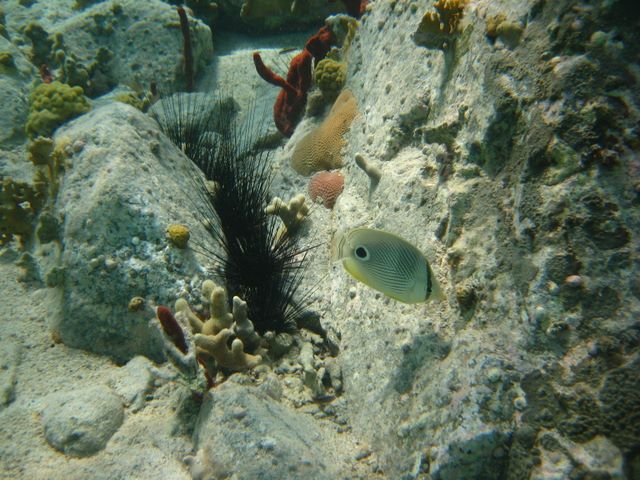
[361, 252]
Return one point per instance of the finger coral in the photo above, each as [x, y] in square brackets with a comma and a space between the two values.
[320, 149]
[437, 29]
[326, 186]
[292, 214]
[191, 340]
[372, 172]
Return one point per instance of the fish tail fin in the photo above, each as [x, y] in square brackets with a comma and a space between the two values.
[336, 245]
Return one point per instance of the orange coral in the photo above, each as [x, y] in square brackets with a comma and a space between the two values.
[320, 149]
[326, 186]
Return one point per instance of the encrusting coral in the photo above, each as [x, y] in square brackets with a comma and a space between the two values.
[437, 29]
[320, 149]
[326, 186]
[292, 213]
[52, 104]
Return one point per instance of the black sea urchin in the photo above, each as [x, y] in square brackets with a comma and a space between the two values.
[255, 261]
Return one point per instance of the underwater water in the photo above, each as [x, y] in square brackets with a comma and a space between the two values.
[319, 240]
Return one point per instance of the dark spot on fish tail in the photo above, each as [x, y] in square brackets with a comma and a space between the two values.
[429, 281]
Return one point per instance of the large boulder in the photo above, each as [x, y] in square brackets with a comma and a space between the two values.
[124, 184]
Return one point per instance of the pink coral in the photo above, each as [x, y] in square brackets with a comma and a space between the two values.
[327, 186]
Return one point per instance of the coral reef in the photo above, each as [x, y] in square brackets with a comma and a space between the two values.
[320, 149]
[372, 172]
[326, 187]
[178, 235]
[438, 29]
[52, 104]
[289, 106]
[292, 213]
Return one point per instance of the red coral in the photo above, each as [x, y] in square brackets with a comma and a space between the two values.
[172, 328]
[327, 186]
[292, 99]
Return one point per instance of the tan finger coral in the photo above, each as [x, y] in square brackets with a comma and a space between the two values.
[326, 186]
[292, 213]
[320, 149]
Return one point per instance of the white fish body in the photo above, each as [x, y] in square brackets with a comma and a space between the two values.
[387, 263]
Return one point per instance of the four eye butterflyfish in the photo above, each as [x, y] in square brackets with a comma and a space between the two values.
[387, 263]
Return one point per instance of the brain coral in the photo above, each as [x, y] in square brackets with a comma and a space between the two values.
[320, 149]
[326, 186]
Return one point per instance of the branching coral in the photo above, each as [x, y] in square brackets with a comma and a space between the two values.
[437, 29]
[320, 149]
[191, 339]
[292, 213]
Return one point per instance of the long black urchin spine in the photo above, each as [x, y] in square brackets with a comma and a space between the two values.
[256, 261]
